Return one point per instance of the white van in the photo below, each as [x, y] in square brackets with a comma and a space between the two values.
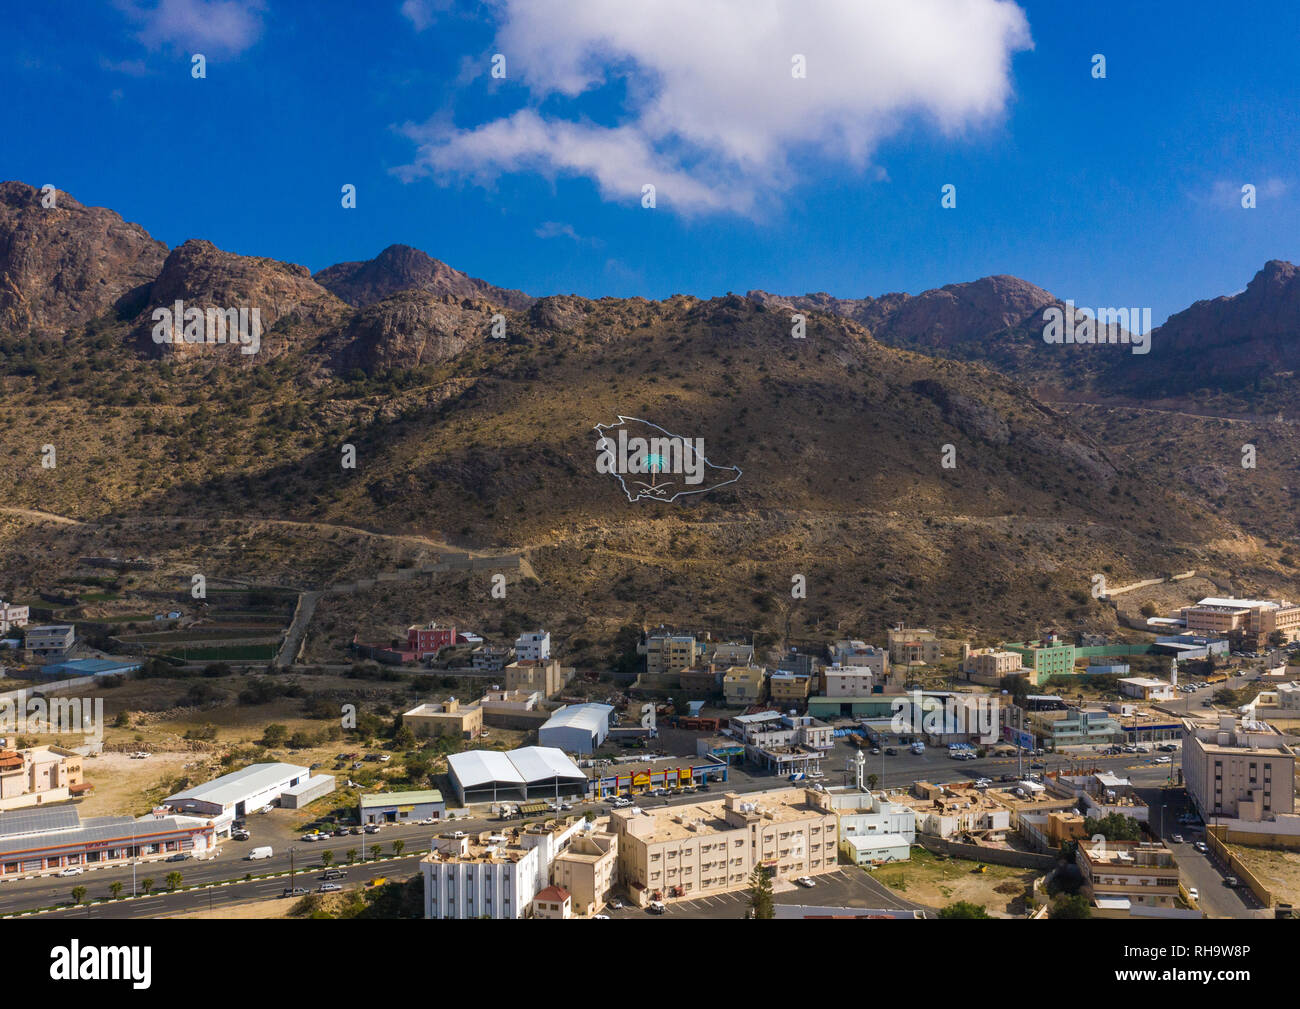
[256, 853]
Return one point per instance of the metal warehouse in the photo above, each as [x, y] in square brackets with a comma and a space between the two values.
[579, 728]
[238, 793]
[489, 775]
[299, 795]
[35, 841]
[402, 807]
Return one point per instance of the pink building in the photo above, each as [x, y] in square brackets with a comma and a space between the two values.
[425, 641]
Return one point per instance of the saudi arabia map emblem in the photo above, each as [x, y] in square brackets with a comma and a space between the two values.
[650, 462]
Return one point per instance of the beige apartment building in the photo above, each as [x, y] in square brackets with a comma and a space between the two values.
[586, 869]
[1254, 619]
[542, 675]
[1238, 768]
[989, 665]
[39, 775]
[744, 685]
[1119, 874]
[670, 653]
[448, 718]
[685, 852]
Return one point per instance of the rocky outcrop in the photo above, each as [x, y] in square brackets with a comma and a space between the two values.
[63, 265]
[402, 268]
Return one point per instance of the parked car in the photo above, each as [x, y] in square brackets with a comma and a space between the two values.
[297, 891]
[371, 828]
[1194, 893]
[240, 835]
[616, 904]
[1231, 881]
[805, 881]
[328, 888]
[341, 832]
[891, 751]
[1177, 839]
[73, 870]
[180, 856]
[657, 907]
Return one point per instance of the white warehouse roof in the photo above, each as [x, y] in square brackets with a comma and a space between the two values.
[541, 763]
[237, 785]
[592, 717]
[527, 765]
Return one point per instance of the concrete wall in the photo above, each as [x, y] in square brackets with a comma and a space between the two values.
[978, 853]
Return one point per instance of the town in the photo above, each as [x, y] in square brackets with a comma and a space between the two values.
[921, 776]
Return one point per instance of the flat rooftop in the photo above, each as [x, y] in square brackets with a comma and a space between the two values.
[677, 822]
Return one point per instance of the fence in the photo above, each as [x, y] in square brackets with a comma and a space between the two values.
[979, 853]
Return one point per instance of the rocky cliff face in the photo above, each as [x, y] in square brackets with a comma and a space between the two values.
[402, 268]
[291, 306]
[63, 265]
[1228, 342]
[407, 330]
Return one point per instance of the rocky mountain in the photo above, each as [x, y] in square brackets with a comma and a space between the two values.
[900, 485]
[409, 329]
[65, 264]
[1229, 342]
[290, 304]
[402, 268]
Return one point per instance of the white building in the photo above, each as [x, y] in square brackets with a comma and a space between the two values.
[238, 793]
[872, 828]
[530, 772]
[578, 728]
[1146, 688]
[848, 681]
[493, 875]
[12, 616]
[533, 646]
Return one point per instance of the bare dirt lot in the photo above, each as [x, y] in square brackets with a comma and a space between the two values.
[928, 880]
[1278, 870]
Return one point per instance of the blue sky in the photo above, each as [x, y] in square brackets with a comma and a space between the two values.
[1122, 191]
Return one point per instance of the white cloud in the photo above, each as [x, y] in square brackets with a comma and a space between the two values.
[419, 13]
[223, 27]
[712, 115]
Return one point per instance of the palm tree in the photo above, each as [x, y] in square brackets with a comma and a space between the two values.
[78, 894]
[398, 845]
[327, 857]
[115, 888]
[173, 880]
[378, 850]
[146, 884]
[352, 855]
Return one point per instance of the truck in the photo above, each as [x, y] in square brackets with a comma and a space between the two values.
[508, 811]
[856, 740]
[263, 852]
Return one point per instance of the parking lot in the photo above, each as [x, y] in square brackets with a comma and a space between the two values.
[847, 886]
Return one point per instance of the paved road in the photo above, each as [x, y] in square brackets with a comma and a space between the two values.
[163, 905]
